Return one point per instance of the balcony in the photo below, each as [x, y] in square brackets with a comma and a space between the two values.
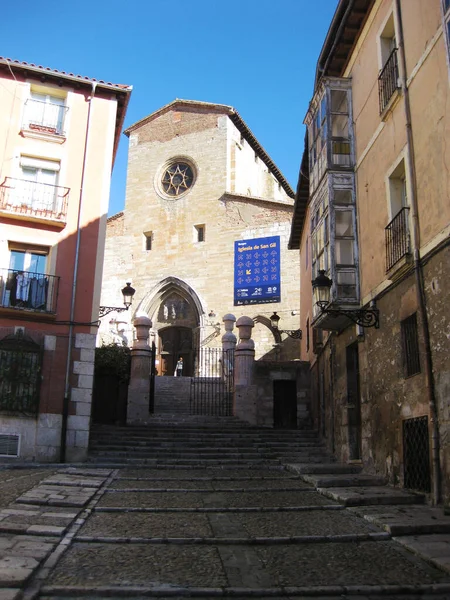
[34, 201]
[388, 80]
[29, 292]
[397, 239]
[44, 118]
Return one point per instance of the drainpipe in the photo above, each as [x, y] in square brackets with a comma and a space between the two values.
[65, 413]
[418, 273]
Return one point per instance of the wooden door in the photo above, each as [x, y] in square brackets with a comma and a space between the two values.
[175, 342]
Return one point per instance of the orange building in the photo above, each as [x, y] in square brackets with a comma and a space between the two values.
[59, 135]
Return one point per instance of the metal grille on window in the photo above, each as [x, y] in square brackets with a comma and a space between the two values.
[410, 343]
[416, 457]
[20, 374]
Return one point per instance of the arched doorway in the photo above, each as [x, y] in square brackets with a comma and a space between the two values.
[176, 342]
[175, 311]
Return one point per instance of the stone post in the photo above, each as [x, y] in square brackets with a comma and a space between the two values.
[245, 393]
[229, 339]
[139, 386]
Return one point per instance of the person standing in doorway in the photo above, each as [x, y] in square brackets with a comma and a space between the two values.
[179, 367]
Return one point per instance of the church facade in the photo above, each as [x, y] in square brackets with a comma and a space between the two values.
[204, 233]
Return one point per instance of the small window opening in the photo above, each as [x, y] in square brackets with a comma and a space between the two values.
[148, 239]
[200, 233]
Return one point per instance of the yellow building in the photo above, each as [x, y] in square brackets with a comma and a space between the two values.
[372, 212]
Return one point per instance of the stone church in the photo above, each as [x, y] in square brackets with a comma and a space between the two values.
[204, 233]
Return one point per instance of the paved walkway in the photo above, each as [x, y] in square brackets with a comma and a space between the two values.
[215, 532]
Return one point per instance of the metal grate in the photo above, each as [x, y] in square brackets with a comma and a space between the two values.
[20, 374]
[388, 80]
[9, 444]
[397, 238]
[416, 454]
[410, 343]
[212, 388]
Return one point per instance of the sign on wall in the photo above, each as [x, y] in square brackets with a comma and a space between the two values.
[257, 271]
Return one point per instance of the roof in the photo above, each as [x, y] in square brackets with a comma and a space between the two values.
[343, 33]
[30, 70]
[346, 25]
[234, 117]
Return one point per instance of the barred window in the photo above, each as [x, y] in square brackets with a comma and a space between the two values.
[410, 342]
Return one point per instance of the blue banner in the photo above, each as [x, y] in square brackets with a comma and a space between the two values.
[257, 271]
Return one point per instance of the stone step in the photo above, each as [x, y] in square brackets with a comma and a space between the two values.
[344, 480]
[372, 495]
[406, 520]
[324, 468]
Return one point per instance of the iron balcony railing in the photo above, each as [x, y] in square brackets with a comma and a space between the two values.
[388, 80]
[397, 238]
[22, 290]
[23, 197]
[44, 117]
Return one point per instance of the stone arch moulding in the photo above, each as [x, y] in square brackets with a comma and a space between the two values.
[266, 321]
[150, 303]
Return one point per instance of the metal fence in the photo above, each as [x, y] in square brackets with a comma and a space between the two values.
[416, 454]
[388, 80]
[23, 290]
[397, 238]
[213, 383]
[20, 374]
[40, 200]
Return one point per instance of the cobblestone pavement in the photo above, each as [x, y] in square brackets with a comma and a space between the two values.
[200, 533]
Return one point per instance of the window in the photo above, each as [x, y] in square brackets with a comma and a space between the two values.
[320, 238]
[388, 78]
[148, 238]
[45, 113]
[306, 253]
[39, 179]
[199, 233]
[25, 284]
[410, 344]
[397, 230]
[446, 22]
[177, 179]
[340, 137]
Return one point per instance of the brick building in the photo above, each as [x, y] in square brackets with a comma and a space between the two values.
[372, 212]
[59, 136]
[200, 191]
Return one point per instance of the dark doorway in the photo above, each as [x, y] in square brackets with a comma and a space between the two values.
[353, 403]
[175, 342]
[285, 404]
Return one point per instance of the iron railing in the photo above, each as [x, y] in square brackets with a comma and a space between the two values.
[388, 80]
[30, 198]
[397, 238]
[416, 454]
[20, 374]
[22, 290]
[212, 387]
[44, 117]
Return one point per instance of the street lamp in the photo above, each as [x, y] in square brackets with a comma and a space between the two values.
[364, 317]
[295, 334]
[127, 293]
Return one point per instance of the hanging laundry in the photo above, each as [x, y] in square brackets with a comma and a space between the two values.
[23, 287]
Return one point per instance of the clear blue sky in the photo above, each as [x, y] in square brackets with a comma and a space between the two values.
[256, 55]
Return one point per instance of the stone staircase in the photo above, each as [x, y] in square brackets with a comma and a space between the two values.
[172, 395]
[189, 440]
